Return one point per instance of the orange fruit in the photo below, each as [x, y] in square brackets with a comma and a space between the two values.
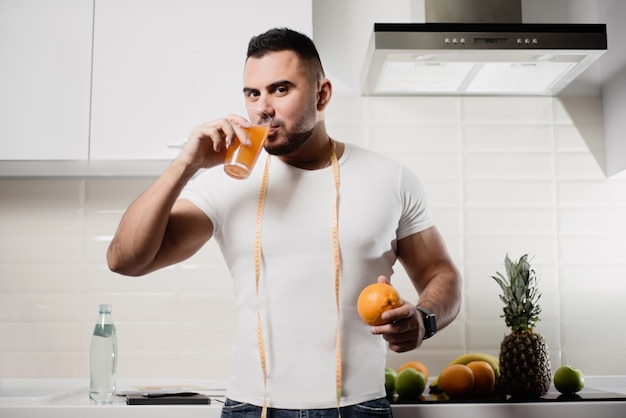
[484, 377]
[376, 299]
[417, 365]
[457, 380]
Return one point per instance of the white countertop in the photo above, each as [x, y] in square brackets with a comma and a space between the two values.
[68, 398]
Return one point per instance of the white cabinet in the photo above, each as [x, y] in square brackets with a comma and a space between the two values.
[161, 68]
[45, 72]
[158, 69]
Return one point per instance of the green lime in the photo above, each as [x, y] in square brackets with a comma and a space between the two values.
[390, 381]
[569, 379]
[410, 383]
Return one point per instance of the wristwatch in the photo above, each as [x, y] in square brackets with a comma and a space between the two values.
[430, 322]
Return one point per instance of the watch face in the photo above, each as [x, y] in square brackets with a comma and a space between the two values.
[431, 328]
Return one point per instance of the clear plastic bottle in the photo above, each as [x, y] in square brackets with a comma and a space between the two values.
[103, 359]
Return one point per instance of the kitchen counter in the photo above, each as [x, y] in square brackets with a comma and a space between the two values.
[602, 397]
[68, 398]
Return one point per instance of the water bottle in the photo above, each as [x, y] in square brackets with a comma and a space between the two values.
[103, 359]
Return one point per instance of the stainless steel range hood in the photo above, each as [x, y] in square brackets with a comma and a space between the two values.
[451, 58]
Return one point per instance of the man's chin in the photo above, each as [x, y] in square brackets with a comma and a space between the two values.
[273, 146]
[286, 144]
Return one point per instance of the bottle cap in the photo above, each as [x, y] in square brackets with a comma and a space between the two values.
[105, 307]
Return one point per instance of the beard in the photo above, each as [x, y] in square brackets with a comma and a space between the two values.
[296, 137]
[294, 140]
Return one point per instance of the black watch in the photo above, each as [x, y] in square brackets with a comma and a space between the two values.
[430, 322]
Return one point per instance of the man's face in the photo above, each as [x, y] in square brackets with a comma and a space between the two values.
[277, 84]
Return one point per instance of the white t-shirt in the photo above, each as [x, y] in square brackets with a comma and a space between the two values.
[380, 202]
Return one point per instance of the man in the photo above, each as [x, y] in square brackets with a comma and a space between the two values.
[316, 222]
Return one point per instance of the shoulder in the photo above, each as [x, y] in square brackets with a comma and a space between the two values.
[376, 165]
[354, 154]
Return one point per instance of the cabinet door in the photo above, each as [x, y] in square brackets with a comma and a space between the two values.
[45, 73]
[161, 68]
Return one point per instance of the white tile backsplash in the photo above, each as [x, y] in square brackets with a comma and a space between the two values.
[37, 249]
[592, 249]
[24, 364]
[600, 221]
[51, 222]
[507, 110]
[405, 138]
[484, 336]
[580, 165]
[610, 304]
[510, 221]
[596, 360]
[40, 278]
[444, 193]
[492, 248]
[579, 110]
[585, 334]
[509, 193]
[40, 336]
[508, 138]
[504, 175]
[579, 138]
[510, 165]
[592, 193]
[51, 194]
[593, 277]
[40, 307]
[419, 111]
[431, 165]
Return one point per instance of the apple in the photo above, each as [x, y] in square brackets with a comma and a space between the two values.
[410, 383]
[390, 382]
[568, 379]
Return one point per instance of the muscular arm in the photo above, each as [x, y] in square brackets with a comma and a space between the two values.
[158, 230]
[436, 279]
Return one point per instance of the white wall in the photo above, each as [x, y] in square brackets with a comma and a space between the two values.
[504, 175]
[614, 88]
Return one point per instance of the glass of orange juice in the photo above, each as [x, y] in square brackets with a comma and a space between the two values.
[240, 159]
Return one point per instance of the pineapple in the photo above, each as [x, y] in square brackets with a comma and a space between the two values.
[524, 355]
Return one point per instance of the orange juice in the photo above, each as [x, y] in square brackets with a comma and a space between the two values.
[240, 159]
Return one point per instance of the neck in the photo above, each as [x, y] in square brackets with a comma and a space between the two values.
[317, 156]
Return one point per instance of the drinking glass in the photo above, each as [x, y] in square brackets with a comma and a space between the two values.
[240, 159]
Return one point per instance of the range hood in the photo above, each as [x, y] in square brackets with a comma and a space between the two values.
[460, 58]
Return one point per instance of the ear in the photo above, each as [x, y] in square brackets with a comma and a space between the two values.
[324, 93]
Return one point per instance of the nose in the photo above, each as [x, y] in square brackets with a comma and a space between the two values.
[265, 115]
[259, 115]
[265, 119]
[264, 103]
[265, 107]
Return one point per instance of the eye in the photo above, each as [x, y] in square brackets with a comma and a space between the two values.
[251, 94]
[281, 90]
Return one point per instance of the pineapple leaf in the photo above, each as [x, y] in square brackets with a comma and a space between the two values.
[520, 294]
[502, 281]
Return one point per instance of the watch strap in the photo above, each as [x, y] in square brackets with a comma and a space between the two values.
[430, 322]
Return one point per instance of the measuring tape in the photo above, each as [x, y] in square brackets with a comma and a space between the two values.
[337, 262]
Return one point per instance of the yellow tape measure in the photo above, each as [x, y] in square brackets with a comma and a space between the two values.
[337, 262]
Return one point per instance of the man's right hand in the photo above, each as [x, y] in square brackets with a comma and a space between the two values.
[207, 143]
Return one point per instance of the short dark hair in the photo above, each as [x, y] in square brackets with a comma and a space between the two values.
[284, 39]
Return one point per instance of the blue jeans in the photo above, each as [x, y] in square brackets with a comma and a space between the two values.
[377, 408]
